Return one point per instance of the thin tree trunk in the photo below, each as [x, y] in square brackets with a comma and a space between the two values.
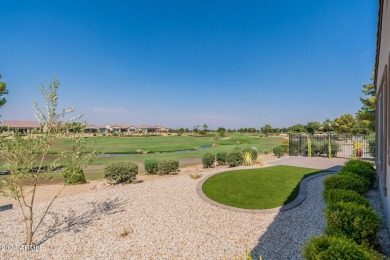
[30, 228]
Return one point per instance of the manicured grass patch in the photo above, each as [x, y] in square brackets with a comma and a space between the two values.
[263, 188]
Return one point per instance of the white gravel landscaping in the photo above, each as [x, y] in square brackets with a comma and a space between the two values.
[165, 219]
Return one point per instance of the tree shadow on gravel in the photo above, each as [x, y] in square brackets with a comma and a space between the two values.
[72, 221]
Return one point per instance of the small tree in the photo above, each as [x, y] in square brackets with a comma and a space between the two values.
[221, 131]
[26, 158]
[3, 91]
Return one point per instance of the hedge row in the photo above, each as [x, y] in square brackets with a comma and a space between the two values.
[154, 166]
[233, 159]
[352, 224]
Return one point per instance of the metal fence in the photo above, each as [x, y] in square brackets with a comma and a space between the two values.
[342, 146]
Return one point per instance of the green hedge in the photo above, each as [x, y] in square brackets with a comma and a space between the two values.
[362, 168]
[332, 196]
[208, 160]
[279, 151]
[151, 166]
[222, 158]
[235, 159]
[345, 182]
[121, 172]
[355, 221]
[168, 166]
[335, 248]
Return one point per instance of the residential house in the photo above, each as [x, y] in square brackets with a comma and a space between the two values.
[381, 81]
[22, 126]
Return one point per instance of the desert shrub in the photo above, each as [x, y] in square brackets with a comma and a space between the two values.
[168, 166]
[222, 158]
[352, 220]
[115, 134]
[247, 159]
[361, 168]
[285, 147]
[339, 195]
[315, 149]
[252, 151]
[195, 175]
[151, 166]
[208, 160]
[235, 159]
[332, 248]
[266, 152]
[335, 147]
[345, 182]
[121, 172]
[74, 175]
[278, 151]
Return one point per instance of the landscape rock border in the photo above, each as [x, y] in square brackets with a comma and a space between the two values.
[296, 202]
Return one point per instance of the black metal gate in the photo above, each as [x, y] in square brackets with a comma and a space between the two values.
[342, 146]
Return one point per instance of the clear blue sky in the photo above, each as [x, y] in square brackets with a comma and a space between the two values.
[183, 63]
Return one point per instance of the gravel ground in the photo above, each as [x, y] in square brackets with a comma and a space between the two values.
[383, 236]
[289, 232]
[163, 219]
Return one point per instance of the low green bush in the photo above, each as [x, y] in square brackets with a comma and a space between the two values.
[222, 158]
[74, 175]
[151, 166]
[208, 160]
[335, 248]
[235, 159]
[353, 221]
[362, 168]
[278, 151]
[367, 182]
[252, 151]
[121, 172]
[339, 195]
[345, 182]
[168, 166]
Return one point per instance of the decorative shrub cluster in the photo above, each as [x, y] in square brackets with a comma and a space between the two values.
[252, 151]
[352, 224]
[208, 160]
[154, 166]
[121, 172]
[329, 247]
[321, 148]
[151, 166]
[279, 151]
[235, 159]
[167, 166]
[222, 158]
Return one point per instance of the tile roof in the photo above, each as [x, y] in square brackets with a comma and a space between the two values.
[21, 124]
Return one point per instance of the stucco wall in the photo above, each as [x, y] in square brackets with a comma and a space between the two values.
[383, 61]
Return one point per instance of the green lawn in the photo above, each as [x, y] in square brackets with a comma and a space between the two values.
[263, 188]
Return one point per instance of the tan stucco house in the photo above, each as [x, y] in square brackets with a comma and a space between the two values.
[21, 126]
[381, 81]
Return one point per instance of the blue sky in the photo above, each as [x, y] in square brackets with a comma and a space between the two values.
[184, 63]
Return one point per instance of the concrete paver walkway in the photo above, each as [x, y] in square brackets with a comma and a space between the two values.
[320, 163]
